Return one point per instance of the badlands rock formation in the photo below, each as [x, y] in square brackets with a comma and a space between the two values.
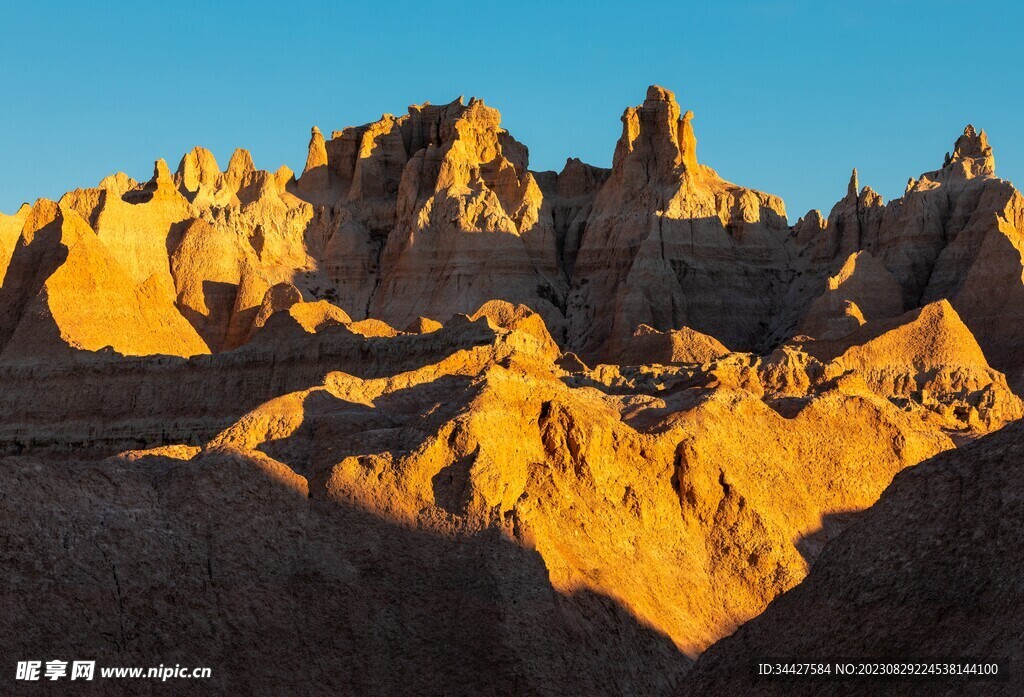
[929, 571]
[464, 428]
[669, 243]
[435, 212]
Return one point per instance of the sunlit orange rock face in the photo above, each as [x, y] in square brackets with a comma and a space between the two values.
[424, 421]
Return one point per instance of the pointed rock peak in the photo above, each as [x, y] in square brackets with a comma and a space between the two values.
[972, 157]
[317, 156]
[930, 336]
[315, 177]
[284, 176]
[578, 178]
[161, 181]
[423, 325]
[911, 183]
[657, 93]
[71, 220]
[678, 346]
[854, 186]
[241, 162]
[161, 172]
[44, 212]
[863, 265]
[501, 313]
[657, 132]
[870, 197]
[198, 167]
[688, 141]
[974, 146]
[812, 221]
[118, 184]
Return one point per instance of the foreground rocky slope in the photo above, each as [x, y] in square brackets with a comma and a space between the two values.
[491, 513]
[928, 571]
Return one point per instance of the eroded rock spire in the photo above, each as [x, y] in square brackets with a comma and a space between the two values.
[657, 131]
[315, 176]
[972, 157]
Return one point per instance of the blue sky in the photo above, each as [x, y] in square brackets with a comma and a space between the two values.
[788, 95]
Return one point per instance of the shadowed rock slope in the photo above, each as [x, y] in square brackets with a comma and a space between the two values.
[467, 505]
[931, 570]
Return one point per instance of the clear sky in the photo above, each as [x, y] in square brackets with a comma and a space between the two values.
[789, 95]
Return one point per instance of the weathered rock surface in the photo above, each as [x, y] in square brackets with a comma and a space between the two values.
[68, 291]
[929, 571]
[668, 243]
[928, 356]
[955, 234]
[680, 346]
[659, 506]
[435, 212]
[349, 418]
[861, 291]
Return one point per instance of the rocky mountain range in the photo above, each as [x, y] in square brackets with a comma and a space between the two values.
[421, 420]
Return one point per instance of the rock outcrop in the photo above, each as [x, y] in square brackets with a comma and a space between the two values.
[862, 290]
[669, 243]
[929, 571]
[955, 235]
[435, 213]
[465, 428]
[68, 292]
[929, 356]
[679, 346]
[471, 224]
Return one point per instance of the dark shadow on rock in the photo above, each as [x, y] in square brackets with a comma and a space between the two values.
[811, 544]
[212, 327]
[787, 407]
[31, 264]
[452, 486]
[396, 424]
[146, 401]
[931, 571]
[214, 562]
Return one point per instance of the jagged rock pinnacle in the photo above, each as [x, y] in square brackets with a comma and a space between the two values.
[660, 132]
[315, 176]
[161, 172]
[317, 156]
[198, 167]
[972, 157]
